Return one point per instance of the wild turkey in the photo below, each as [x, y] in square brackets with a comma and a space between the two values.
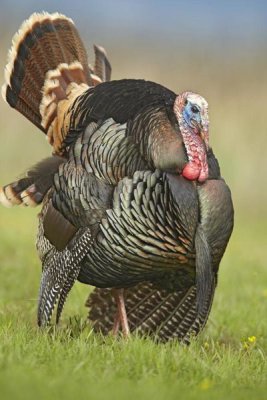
[132, 199]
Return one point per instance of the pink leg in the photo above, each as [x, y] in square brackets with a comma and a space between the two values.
[121, 315]
[117, 322]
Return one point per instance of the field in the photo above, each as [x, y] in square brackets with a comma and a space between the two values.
[229, 359]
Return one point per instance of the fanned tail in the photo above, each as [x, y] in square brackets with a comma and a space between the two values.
[43, 42]
[47, 66]
[152, 312]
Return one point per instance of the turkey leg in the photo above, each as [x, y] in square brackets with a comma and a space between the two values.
[121, 315]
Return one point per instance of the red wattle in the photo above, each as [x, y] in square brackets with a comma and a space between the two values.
[191, 171]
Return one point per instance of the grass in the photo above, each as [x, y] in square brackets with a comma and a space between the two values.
[227, 361]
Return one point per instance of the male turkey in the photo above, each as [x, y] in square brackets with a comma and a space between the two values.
[132, 199]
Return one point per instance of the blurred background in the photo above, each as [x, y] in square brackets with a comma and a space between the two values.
[218, 49]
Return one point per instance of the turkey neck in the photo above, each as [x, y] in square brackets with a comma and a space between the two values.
[157, 135]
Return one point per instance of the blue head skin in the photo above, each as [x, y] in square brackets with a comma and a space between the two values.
[191, 114]
[195, 115]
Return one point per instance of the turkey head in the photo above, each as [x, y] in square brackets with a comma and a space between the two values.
[179, 144]
[191, 111]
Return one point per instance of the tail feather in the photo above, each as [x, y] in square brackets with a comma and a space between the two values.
[46, 58]
[152, 311]
[58, 85]
[102, 67]
[31, 188]
[42, 43]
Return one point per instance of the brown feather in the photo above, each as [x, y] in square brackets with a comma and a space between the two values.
[57, 229]
[43, 42]
[30, 189]
[46, 57]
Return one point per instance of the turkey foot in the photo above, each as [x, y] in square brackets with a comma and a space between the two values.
[121, 315]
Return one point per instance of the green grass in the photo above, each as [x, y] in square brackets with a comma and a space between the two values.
[73, 362]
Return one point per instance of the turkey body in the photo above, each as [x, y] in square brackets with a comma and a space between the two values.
[143, 222]
[132, 197]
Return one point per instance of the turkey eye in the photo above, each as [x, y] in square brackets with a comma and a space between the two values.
[194, 109]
